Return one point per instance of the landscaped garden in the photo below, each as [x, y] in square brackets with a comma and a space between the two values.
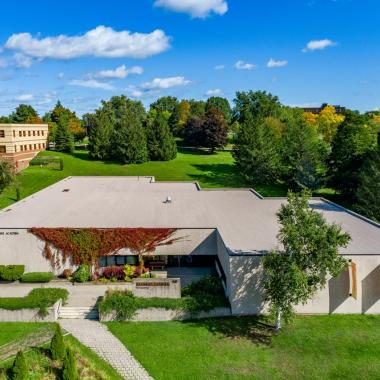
[58, 357]
[314, 347]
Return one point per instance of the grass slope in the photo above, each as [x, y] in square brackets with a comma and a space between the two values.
[318, 347]
[15, 330]
[215, 170]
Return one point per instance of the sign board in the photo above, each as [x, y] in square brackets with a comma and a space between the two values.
[156, 287]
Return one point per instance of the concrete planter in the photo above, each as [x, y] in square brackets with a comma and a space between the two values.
[30, 315]
[160, 314]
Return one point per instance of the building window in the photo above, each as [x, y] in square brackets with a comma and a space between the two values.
[39, 146]
[38, 133]
[21, 147]
[3, 149]
[29, 133]
[24, 133]
[14, 133]
[25, 147]
[2, 133]
[34, 133]
[30, 147]
[20, 133]
[15, 148]
[43, 133]
[108, 261]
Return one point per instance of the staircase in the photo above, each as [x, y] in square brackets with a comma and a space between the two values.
[67, 312]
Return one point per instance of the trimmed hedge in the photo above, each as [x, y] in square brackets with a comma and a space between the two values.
[39, 298]
[37, 277]
[11, 272]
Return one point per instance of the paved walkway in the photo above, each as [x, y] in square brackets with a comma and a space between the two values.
[97, 337]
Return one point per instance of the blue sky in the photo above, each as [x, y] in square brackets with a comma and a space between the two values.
[317, 51]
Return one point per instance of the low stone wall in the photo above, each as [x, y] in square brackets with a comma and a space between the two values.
[156, 287]
[160, 314]
[30, 315]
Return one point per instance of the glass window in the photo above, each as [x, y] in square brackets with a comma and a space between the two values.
[110, 260]
[2, 133]
[3, 149]
[120, 260]
[131, 260]
[103, 261]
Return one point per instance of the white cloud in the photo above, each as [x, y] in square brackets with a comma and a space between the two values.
[219, 67]
[25, 97]
[273, 63]
[61, 75]
[214, 92]
[241, 65]
[318, 45]
[99, 42]
[196, 8]
[120, 72]
[164, 83]
[22, 61]
[91, 83]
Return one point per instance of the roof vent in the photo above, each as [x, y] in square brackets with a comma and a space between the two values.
[168, 199]
[65, 190]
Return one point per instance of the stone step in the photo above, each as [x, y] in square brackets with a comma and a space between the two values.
[78, 313]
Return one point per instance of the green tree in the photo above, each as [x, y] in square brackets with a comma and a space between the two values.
[303, 153]
[367, 194]
[100, 129]
[7, 174]
[221, 104]
[179, 117]
[19, 369]
[256, 106]
[160, 141]
[309, 255]
[69, 368]
[25, 113]
[197, 108]
[165, 103]
[57, 346]
[353, 141]
[64, 141]
[256, 151]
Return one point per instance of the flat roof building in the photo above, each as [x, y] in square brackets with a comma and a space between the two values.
[233, 227]
[20, 143]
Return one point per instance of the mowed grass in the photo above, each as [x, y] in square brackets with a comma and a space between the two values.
[15, 330]
[210, 170]
[315, 347]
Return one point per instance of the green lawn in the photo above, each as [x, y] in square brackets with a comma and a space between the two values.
[215, 170]
[15, 330]
[318, 347]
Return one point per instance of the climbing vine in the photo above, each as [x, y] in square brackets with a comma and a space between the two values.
[87, 245]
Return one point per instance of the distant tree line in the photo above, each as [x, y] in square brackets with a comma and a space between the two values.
[272, 143]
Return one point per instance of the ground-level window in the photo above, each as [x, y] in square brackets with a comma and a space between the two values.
[2, 133]
[3, 149]
[107, 261]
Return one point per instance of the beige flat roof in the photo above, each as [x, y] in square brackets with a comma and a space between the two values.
[246, 223]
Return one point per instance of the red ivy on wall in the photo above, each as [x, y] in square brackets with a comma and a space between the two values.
[87, 245]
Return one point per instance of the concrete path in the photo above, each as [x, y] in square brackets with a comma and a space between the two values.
[97, 337]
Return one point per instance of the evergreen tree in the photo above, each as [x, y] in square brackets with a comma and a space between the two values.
[256, 151]
[100, 130]
[353, 141]
[19, 369]
[64, 141]
[128, 142]
[303, 154]
[57, 346]
[165, 103]
[367, 194]
[214, 129]
[160, 141]
[69, 368]
[7, 174]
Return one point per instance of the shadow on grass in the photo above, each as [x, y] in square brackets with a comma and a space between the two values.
[253, 328]
[195, 151]
[223, 175]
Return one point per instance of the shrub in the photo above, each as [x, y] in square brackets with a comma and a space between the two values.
[12, 272]
[37, 277]
[129, 271]
[57, 347]
[70, 370]
[122, 302]
[39, 298]
[82, 274]
[114, 272]
[67, 273]
[19, 369]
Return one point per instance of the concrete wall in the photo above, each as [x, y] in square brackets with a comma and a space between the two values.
[160, 314]
[156, 287]
[334, 298]
[29, 315]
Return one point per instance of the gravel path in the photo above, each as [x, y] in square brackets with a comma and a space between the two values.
[97, 337]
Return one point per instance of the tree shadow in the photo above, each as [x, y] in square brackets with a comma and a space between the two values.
[224, 175]
[195, 151]
[253, 328]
